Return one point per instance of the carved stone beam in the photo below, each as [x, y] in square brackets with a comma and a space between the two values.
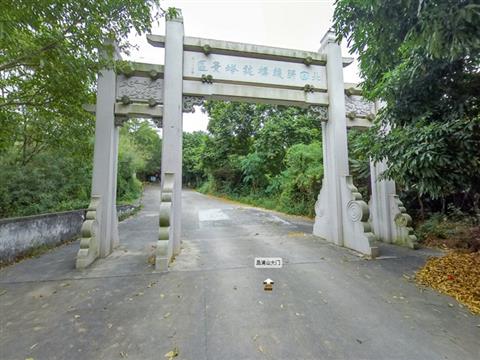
[133, 110]
[246, 50]
[131, 68]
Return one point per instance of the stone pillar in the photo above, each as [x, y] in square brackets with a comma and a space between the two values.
[335, 153]
[341, 214]
[173, 120]
[389, 218]
[380, 202]
[114, 227]
[104, 161]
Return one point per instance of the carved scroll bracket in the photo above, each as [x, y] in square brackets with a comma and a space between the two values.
[357, 106]
[321, 112]
[401, 224]
[163, 253]
[190, 101]
[158, 121]
[89, 247]
[120, 120]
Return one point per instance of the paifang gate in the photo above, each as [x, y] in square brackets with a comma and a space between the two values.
[198, 69]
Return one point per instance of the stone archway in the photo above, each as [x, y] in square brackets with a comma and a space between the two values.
[197, 69]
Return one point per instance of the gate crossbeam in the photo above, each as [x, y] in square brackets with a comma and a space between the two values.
[222, 47]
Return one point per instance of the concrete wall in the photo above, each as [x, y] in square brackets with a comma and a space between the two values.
[18, 235]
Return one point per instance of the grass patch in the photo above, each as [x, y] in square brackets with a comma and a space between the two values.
[445, 233]
[260, 202]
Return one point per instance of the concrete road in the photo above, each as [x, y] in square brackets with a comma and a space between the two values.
[326, 303]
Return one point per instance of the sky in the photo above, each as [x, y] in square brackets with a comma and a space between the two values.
[294, 24]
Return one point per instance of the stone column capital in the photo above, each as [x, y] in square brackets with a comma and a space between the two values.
[328, 38]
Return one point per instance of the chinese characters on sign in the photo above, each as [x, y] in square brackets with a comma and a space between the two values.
[249, 70]
[268, 263]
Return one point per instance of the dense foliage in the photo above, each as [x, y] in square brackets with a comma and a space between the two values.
[50, 54]
[60, 178]
[422, 59]
[139, 157]
[266, 155]
[49, 59]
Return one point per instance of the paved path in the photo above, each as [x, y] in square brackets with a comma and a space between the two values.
[327, 302]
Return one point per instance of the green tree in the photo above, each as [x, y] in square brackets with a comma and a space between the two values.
[55, 180]
[422, 59]
[232, 128]
[248, 143]
[148, 144]
[282, 128]
[60, 178]
[301, 181]
[265, 155]
[193, 148]
[49, 59]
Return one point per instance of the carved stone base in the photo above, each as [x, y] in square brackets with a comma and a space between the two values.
[322, 226]
[402, 231]
[164, 251]
[89, 250]
[355, 231]
[161, 254]
[389, 218]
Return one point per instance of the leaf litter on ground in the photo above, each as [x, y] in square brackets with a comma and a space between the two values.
[456, 274]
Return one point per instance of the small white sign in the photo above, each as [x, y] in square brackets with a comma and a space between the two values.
[268, 262]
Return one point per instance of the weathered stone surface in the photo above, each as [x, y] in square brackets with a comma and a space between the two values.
[254, 94]
[357, 106]
[341, 214]
[19, 235]
[22, 234]
[173, 120]
[138, 110]
[105, 158]
[241, 69]
[321, 112]
[89, 247]
[164, 251]
[139, 89]
[358, 233]
[190, 101]
[389, 217]
[191, 43]
[401, 223]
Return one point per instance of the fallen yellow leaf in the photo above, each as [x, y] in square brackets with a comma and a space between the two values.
[456, 274]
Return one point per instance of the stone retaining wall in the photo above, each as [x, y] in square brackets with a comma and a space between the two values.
[19, 235]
